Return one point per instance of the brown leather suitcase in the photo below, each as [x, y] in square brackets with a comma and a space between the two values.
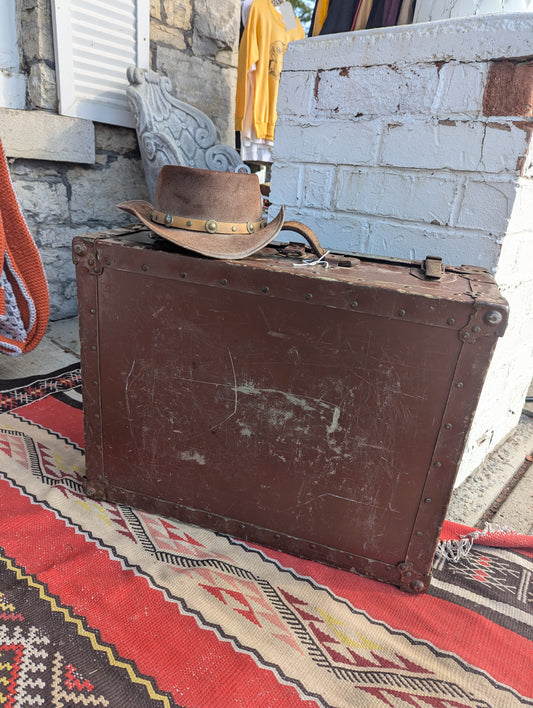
[320, 411]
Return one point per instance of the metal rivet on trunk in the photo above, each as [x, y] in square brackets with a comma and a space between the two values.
[459, 384]
[437, 464]
[308, 296]
[144, 266]
[183, 275]
[450, 321]
[354, 304]
[427, 500]
[494, 317]
[448, 426]
[224, 281]
[266, 289]
[401, 313]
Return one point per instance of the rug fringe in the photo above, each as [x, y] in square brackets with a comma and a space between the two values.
[455, 551]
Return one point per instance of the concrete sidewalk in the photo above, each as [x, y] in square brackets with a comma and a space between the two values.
[500, 491]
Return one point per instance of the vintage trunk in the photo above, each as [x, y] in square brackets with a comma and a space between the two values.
[319, 411]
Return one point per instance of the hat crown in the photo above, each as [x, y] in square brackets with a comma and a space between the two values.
[206, 194]
[217, 214]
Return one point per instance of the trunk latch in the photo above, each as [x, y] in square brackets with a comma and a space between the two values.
[433, 267]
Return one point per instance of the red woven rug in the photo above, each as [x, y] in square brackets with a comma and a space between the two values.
[103, 605]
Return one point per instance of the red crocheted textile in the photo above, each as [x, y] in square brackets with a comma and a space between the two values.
[24, 299]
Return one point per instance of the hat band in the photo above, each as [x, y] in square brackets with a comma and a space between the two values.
[212, 226]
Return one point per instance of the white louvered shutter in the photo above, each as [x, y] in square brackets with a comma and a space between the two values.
[95, 42]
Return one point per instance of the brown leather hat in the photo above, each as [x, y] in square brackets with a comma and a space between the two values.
[217, 214]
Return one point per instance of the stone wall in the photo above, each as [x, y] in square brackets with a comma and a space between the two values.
[416, 140]
[69, 173]
[195, 43]
[62, 199]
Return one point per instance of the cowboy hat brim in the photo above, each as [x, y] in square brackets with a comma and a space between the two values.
[230, 246]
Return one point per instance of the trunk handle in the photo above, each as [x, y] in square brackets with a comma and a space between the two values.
[307, 233]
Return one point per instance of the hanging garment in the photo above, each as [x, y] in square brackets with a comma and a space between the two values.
[390, 12]
[375, 18]
[24, 300]
[361, 15]
[340, 16]
[384, 13]
[263, 43]
[252, 148]
[320, 13]
[407, 11]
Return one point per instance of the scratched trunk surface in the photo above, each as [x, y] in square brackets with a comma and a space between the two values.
[319, 411]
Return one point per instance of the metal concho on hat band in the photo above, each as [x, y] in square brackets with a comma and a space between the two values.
[210, 225]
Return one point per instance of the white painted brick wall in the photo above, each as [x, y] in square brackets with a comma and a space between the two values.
[386, 143]
[522, 215]
[316, 185]
[469, 40]
[352, 90]
[399, 194]
[297, 95]
[354, 141]
[497, 198]
[430, 144]
[504, 144]
[460, 90]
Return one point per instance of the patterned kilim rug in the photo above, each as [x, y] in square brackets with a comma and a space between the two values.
[104, 605]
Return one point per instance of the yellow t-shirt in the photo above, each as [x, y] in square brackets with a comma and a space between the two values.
[263, 43]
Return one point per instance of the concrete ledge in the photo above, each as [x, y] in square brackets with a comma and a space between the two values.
[38, 135]
[463, 39]
[475, 495]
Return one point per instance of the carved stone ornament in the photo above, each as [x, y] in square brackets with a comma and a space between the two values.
[171, 132]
